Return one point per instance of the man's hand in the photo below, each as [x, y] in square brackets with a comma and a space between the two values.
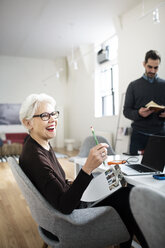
[145, 112]
[162, 114]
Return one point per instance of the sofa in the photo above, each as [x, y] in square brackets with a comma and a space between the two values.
[12, 144]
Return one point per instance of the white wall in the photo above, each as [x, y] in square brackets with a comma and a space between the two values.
[20, 77]
[81, 98]
[74, 91]
[136, 37]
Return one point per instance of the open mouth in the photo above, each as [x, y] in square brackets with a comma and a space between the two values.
[50, 129]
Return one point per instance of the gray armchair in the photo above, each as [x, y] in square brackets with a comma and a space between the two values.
[148, 207]
[89, 142]
[90, 227]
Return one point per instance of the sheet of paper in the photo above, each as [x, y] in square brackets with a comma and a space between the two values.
[101, 186]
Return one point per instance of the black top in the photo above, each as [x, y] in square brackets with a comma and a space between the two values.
[139, 93]
[45, 172]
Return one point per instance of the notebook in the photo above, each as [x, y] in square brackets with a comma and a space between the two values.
[153, 160]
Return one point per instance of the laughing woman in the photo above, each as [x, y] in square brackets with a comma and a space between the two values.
[40, 164]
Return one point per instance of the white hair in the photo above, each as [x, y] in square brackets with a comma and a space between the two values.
[31, 103]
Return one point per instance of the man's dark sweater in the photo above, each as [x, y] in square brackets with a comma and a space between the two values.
[139, 93]
[45, 172]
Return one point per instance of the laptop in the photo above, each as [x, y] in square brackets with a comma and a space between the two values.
[153, 160]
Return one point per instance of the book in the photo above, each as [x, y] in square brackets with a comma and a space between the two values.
[154, 106]
[103, 185]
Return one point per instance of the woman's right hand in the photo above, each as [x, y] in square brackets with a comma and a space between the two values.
[95, 158]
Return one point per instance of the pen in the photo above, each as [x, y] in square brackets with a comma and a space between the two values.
[95, 138]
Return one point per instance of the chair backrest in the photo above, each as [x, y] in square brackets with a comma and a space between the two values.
[148, 207]
[41, 210]
[89, 227]
[89, 142]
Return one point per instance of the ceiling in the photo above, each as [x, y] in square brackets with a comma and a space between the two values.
[51, 28]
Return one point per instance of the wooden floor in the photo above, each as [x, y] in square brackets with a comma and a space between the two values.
[17, 228]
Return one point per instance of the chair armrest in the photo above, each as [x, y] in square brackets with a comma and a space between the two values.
[86, 215]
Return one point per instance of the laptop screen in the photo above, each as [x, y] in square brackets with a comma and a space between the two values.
[154, 154]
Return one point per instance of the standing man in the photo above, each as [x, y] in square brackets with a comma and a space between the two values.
[140, 92]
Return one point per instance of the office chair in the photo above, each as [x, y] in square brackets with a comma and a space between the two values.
[87, 144]
[148, 207]
[91, 227]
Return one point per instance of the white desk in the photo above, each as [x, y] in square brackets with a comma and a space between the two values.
[79, 162]
[146, 180]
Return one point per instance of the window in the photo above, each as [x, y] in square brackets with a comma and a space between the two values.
[106, 83]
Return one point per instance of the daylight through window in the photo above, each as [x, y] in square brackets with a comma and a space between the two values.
[106, 83]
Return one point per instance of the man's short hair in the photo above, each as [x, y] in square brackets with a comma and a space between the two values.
[152, 54]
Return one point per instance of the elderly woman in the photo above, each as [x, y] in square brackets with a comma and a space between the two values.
[40, 164]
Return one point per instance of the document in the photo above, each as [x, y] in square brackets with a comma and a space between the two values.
[103, 185]
[152, 105]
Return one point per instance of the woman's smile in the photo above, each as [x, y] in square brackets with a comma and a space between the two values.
[51, 128]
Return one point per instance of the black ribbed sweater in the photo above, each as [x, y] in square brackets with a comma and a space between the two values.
[45, 172]
[138, 94]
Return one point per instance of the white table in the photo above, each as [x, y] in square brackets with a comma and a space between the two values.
[146, 180]
[79, 162]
